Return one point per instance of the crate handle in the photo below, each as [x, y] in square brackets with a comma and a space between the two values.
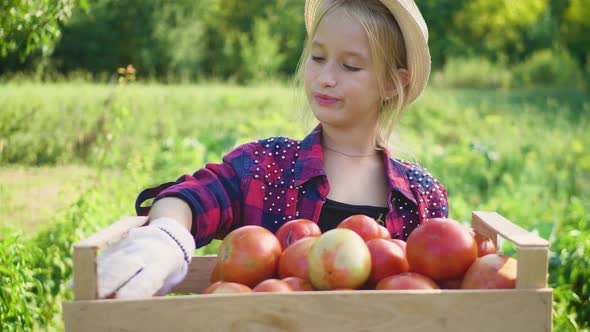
[85, 254]
[532, 251]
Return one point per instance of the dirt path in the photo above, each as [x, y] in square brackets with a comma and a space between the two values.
[30, 196]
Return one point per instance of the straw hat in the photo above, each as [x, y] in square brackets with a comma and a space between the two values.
[415, 35]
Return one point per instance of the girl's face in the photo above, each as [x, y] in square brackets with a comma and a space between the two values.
[340, 84]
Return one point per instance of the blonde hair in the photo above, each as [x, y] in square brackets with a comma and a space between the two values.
[387, 49]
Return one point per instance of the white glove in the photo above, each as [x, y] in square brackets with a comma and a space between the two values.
[149, 261]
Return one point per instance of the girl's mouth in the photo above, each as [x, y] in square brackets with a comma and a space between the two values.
[325, 100]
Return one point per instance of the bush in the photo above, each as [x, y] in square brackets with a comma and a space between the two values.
[549, 68]
[569, 269]
[475, 72]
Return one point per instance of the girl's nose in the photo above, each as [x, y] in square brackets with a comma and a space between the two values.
[327, 77]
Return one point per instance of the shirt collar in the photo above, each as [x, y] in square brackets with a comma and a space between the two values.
[310, 164]
[311, 157]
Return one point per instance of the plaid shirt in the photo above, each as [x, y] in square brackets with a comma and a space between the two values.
[274, 180]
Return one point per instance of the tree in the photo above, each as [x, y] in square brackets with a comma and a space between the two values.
[497, 28]
[26, 25]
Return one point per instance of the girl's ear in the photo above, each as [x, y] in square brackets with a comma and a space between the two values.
[390, 89]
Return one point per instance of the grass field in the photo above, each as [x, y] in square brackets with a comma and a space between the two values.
[492, 149]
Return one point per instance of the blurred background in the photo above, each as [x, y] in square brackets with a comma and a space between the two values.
[101, 98]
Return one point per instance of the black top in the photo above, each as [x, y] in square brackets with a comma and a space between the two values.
[334, 212]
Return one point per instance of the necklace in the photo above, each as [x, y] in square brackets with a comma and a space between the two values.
[351, 155]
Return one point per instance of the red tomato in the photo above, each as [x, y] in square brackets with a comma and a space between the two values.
[454, 283]
[224, 287]
[295, 230]
[441, 249]
[400, 243]
[298, 284]
[364, 226]
[339, 259]
[409, 280]
[293, 261]
[485, 245]
[248, 255]
[215, 274]
[384, 233]
[387, 258]
[272, 285]
[491, 271]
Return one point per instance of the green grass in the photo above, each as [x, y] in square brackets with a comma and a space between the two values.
[492, 149]
[31, 196]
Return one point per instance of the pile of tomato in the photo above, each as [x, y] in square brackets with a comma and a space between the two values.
[359, 254]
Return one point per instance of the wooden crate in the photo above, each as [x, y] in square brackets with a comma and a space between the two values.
[524, 309]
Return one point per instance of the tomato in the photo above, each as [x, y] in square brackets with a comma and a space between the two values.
[293, 261]
[364, 226]
[272, 285]
[298, 284]
[491, 271]
[441, 249]
[454, 283]
[485, 245]
[408, 280]
[400, 243]
[224, 287]
[384, 233]
[295, 230]
[387, 258]
[215, 274]
[248, 255]
[339, 259]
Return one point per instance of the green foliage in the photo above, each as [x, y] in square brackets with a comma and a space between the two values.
[472, 73]
[569, 269]
[244, 41]
[500, 31]
[27, 25]
[19, 303]
[549, 68]
[260, 57]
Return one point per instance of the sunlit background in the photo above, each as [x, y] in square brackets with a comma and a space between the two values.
[101, 98]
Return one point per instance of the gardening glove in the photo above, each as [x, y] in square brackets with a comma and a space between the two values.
[149, 261]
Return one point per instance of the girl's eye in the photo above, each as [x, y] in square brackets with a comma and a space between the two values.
[351, 68]
[317, 58]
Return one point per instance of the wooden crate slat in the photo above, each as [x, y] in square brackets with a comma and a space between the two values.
[507, 229]
[410, 311]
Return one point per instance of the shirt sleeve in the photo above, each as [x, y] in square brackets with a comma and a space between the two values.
[213, 193]
[433, 202]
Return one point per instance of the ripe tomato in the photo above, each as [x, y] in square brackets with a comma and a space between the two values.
[441, 249]
[364, 226]
[294, 230]
[400, 243]
[384, 233]
[387, 258]
[298, 284]
[485, 245]
[248, 255]
[272, 285]
[293, 261]
[339, 259]
[409, 280]
[215, 274]
[224, 287]
[491, 271]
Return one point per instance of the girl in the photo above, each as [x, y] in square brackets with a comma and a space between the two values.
[363, 63]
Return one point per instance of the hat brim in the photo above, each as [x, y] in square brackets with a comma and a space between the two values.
[415, 34]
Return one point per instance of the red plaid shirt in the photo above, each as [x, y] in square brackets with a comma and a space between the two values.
[274, 180]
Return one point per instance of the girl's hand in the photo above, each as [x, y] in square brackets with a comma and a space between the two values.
[151, 260]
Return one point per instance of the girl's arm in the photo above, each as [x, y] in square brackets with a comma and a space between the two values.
[174, 208]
